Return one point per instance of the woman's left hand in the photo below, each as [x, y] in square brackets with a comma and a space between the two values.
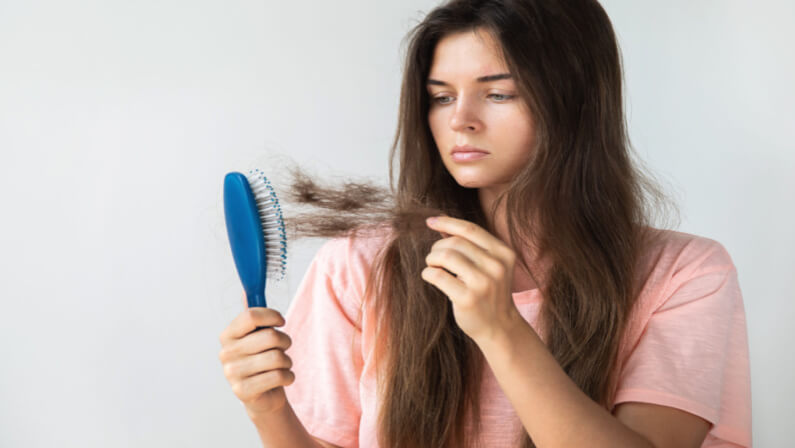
[479, 280]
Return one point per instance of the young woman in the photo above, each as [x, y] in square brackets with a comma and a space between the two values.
[541, 308]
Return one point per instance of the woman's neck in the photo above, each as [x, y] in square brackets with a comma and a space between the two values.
[498, 226]
[497, 222]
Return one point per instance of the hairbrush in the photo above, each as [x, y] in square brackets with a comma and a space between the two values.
[256, 231]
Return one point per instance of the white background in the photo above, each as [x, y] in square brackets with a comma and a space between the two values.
[118, 121]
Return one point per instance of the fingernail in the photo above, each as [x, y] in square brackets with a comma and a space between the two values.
[431, 220]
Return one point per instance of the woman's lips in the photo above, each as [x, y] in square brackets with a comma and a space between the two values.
[468, 156]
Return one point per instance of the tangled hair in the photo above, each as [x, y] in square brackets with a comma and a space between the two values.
[591, 209]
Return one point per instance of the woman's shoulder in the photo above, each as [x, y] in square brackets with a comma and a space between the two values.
[673, 258]
[678, 250]
[348, 259]
[359, 247]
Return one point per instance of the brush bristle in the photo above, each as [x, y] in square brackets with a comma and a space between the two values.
[270, 213]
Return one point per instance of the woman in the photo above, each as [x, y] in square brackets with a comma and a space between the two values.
[541, 308]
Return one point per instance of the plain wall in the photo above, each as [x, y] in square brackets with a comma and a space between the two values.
[118, 121]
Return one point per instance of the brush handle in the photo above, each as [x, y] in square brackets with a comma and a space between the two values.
[256, 299]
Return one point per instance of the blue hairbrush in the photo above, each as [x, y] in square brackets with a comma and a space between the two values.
[256, 232]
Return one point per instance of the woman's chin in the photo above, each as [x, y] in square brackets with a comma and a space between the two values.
[471, 183]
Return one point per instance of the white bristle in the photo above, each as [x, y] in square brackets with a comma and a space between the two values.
[270, 213]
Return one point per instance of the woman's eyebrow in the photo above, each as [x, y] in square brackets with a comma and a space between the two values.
[487, 78]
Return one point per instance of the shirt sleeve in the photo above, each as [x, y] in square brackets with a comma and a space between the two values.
[693, 352]
[322, 324]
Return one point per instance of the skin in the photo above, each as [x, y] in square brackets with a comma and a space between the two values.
[488, 115]
[474, 267]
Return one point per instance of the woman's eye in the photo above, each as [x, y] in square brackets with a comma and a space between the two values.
[497, 96]
[501, 96]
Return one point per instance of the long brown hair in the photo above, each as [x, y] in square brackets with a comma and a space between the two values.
[590, 204]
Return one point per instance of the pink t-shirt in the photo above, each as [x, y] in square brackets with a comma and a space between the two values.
[686, 345]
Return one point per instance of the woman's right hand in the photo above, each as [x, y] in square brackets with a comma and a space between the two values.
[254, 361]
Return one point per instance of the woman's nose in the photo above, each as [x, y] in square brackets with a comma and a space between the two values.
[465, 116]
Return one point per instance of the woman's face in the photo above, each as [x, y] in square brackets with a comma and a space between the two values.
[483, 113]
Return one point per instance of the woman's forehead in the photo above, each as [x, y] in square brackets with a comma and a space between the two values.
[466, 56]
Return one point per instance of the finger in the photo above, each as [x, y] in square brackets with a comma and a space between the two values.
[262, 340]
[458, 264]
[485, 262]
[471, 232]
[268, 360]
[464, 246]
[248, 320]
[449, 285]
[252, 387]
[262, 362]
